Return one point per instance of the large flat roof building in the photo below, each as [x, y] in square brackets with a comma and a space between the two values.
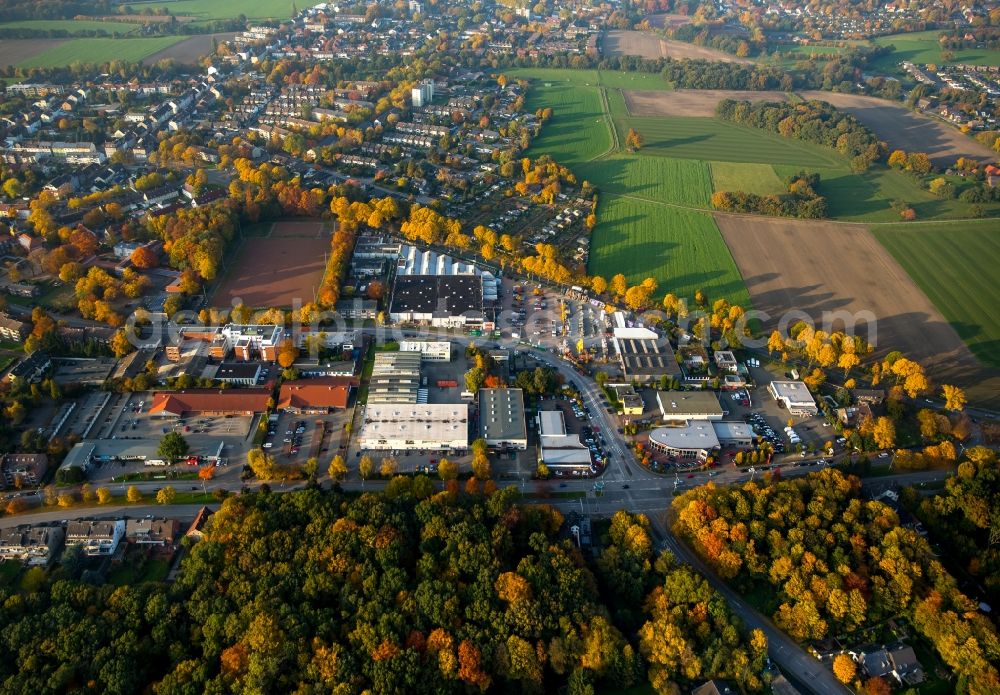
[395, 378]
[695, 439]
[411, 426]
[678, 406]
[795, 396]
[430, 350]
[560, 451]
[440, 300]
[501, 418]
[644, 356]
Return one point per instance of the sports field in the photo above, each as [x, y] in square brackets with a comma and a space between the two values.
[681, 249]
[99, 50]
[922, 47]
[207, 10]
[955, 264]
[277, 270]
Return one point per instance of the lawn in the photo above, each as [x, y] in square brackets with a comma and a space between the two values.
[807, 50]
[100, 51]
[746, 176]
[664, 179]
[153, 570]
[578, 130]
[922, 47]
[208, 10]
[683, 250]
[72, 26]
[712, 140]
[954, 263]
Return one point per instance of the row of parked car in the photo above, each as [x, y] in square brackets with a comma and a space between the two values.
[762, 429]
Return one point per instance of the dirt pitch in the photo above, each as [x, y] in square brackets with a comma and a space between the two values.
[689, 102]
[190, 50]
[905, 130]
[637, 43]
[13, 51]
[276, 270]
[818, 267]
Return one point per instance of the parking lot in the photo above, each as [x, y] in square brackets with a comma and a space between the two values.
[294, 438]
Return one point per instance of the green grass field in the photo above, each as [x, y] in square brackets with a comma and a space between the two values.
[72, 26]
[711, 140]
[746, 176]
[955, 265]
[681, 249]
[922, 47]
[663, 179]
[100, 51]
[208, 10]
[807, 50]
[578, 130]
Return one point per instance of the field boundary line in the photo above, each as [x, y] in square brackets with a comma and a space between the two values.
[609, 121]
[749, 216]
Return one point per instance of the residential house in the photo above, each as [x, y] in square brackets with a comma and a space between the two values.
[96, 536]
[151, 532]
[37, 545]
[23, 469]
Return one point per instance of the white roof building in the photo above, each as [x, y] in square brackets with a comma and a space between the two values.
[411, 426]
[430, 350]
[558, 449]
[693, 439]
[795, 396]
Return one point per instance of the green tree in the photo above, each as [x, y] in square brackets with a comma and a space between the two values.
[173, 447]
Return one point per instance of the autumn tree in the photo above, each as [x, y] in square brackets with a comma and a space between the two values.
[338, 468]
[287, 353]
[844, 668]
[144, 258]
[633, 140]
[133, 494]
[954, 398]
[884, 433]
[166, 495]
[447, 470]
[366, 466]
[618, 286]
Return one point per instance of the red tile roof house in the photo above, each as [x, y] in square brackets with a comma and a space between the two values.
[320, 395]
[210, 402]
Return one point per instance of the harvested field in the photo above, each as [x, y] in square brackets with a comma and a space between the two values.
[905, 130]
[191, 50]
[637, 43]
[661, 20]
[14, 51]
[277, 270]
[689, 102]
[816, 267]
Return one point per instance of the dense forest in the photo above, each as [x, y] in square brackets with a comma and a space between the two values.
[315, 591]
[965, 518]
[812, 121]
[832, 562]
